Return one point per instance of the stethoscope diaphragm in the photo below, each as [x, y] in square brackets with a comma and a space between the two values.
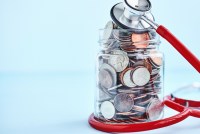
[127, 20]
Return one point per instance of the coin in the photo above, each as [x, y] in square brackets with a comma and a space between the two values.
[141, 96]
[141, 76]
[143, 62]
[107, 109]
[118, 60]
[127, 113]
[138, 119]
[111, 70]
[122, 35]
[123, 102]
[138, 38]
[125, 78]
[155, 71]
[154, 77]
[155, 59]
[107, 47]
[127, 47]
[108, 30]
[128, 91]
[138, 108]
[105, 79]
[145, 102]
[115, 87]
[104, 96]
[154, 109]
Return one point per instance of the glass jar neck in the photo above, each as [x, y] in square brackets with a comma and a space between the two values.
[128, 41]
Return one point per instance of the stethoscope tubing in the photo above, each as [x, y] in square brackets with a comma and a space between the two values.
[176, 43]
[179, 46]
[184, 112]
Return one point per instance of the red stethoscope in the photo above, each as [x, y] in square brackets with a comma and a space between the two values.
[137, 10]
[186, 107]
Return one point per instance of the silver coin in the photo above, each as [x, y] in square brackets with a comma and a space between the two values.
[128, 91]
[118, 60]
[105, 79]
[107, 110]
[123, 102]
[122, 35]
[145, 102]
[154, 78]
[115, 87]
[141, 96]
[155, 71]
[143, 63]
[137, 88]
[104, 96]
[141, 76]
[108, 31]
[111, 71]
[139, 108]
[127, 79]
[108, 47]
[154, 109]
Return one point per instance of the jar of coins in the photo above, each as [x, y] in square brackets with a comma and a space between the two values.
[129, 76]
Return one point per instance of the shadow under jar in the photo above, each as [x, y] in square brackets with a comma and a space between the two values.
[129, 77]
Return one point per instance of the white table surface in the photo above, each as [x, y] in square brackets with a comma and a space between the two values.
[60, 103]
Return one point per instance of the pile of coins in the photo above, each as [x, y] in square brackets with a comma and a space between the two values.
[129, 77]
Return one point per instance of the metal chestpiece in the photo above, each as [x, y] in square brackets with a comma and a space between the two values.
[128, 15]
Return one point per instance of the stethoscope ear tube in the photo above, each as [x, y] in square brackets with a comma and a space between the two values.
[179, 46]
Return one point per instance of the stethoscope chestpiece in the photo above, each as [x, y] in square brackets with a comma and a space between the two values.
[138, 6]
[127, 15]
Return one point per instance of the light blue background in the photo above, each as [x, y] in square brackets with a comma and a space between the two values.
[47, 58]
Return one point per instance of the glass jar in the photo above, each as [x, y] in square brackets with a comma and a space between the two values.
[129, 77]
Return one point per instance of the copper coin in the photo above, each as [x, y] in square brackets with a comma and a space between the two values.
[156, 58]
[127, 47]
[139, 38]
